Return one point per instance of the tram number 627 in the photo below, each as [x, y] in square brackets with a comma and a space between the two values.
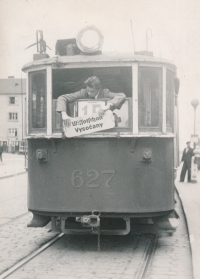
[93, 175]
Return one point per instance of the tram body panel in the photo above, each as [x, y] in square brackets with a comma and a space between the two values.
[103, 174]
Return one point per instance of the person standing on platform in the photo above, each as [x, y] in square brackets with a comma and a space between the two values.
[186, 159]
[1, 151]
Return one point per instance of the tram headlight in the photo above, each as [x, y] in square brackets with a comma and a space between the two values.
[89, 39]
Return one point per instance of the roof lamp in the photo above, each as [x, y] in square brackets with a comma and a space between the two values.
[89, 39]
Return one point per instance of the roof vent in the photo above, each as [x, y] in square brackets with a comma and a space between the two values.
[67, 47]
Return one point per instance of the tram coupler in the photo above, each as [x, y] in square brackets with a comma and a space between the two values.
[91, 221]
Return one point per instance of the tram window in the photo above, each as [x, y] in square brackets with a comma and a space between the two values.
[150, 88]
[169, 99]
[116, 79]
[37, 99]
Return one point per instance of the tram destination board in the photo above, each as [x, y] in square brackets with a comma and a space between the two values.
[88, 124]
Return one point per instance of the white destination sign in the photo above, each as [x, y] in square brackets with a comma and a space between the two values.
[88, 124]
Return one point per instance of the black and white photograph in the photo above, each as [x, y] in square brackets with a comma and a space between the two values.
[100, 139]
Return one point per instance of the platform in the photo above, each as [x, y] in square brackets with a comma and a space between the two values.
[190, 196]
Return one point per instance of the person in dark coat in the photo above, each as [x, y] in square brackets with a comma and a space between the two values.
[1, 151]
[186, 159]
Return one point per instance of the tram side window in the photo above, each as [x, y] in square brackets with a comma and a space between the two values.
[150, 89]
[37, 99]
[169, 99]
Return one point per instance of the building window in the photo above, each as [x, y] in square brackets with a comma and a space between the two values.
[13, 100]
[12, 132]
[13, 116]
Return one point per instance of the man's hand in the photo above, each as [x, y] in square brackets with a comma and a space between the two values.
[102, 110]
[66, 119]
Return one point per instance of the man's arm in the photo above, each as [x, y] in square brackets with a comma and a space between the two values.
[183, 155]
[117, 99]
[68, 98]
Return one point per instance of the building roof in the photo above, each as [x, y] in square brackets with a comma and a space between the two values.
[12, 86]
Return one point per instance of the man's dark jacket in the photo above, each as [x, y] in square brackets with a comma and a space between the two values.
[187, 156]
[117, 99]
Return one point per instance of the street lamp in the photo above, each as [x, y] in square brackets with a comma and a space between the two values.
[195, 103]
[194, 137]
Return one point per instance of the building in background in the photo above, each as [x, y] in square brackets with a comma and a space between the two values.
[12, 113]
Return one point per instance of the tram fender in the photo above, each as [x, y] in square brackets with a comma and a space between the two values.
[168, 222]
[39, 221]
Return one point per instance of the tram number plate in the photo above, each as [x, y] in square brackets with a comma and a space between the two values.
[93, 177]
[88, 124]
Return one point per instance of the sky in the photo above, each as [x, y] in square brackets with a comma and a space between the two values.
[172, 27]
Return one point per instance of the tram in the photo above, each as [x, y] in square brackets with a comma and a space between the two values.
[23, 147]
[102, 180]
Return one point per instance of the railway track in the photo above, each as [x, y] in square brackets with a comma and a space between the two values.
[140, 271]
[139, 255]
[147, 258]
[29, 257]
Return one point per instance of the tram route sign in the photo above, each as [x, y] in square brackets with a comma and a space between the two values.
[88, 124]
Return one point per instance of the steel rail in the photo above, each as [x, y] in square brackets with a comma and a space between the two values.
[147, 257]
[30, 257]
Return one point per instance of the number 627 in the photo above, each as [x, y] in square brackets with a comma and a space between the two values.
[92, 181]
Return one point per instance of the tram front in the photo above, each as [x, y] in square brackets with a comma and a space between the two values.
[113, 157]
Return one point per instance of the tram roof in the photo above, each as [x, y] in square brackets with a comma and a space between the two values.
[105, 57]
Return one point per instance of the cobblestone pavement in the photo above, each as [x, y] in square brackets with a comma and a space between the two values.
[12, 164]
[75, 256]
[16, 240]
[13, 198]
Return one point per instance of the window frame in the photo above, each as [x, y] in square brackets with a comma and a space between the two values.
[171, 99]
[32, 130]
[159, 69]
[56, 119]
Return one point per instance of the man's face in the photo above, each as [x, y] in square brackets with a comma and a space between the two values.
[92, 92]
[188, 145]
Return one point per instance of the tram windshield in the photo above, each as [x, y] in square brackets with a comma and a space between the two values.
[154, 102]
[116, 79]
